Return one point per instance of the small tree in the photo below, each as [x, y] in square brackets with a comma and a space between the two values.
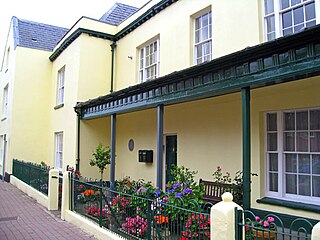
[102, 158]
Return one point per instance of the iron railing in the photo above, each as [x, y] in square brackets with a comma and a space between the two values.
[32, 174]
[250, 226]
[139, 217]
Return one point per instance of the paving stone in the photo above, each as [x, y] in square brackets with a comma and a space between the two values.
[21, 217]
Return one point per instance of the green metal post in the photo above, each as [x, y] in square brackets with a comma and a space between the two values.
[246, 147]
[78, 144]
[149, 216]
[100, 203]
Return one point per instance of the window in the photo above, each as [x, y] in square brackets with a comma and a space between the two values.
[59, 149]
[149, 60]
[60, 94]
[7, 59]
[284, 17]
[203, 38]
[5, 101]
[293, 155]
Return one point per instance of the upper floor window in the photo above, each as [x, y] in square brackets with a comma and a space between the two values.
[293, 155]
[7, 59]
[203, 38]
[5, 101]
[60, 90]
[149, 61]
[284, 17]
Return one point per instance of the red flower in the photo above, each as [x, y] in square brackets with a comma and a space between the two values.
[247, 228]
[184, 238]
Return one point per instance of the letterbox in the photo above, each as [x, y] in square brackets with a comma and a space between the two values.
[146, 156]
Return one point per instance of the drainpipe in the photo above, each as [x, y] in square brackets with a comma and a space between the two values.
[78, 138]
[113, 46]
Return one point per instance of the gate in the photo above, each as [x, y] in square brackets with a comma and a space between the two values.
[250, 226]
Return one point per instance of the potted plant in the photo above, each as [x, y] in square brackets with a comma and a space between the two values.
[261, 228]
[102, 158]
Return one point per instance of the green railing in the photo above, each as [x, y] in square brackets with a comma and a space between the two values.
[271, 227]
[135, 217]
[32, 174]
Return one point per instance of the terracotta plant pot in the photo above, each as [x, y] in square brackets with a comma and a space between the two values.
[259, 234]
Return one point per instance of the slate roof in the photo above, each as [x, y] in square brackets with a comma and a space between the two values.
[36, 35]
[118, 13]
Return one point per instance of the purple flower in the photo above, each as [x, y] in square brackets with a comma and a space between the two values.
[157, 193]
[176, 185]
[141, 189]
[171, 191]
[178, 195]
[187, 191]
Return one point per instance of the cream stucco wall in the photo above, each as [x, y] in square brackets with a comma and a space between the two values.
[209, 133]
[295, 95]
[92, 133]
[30, 114]
[204, 129]
[7, 76]
[174, 27]
[87, 64]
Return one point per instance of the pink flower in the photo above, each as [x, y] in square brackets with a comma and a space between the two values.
[266, 224]
[270, 219]
[257, 218]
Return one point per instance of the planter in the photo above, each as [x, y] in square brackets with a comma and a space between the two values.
[260, 234]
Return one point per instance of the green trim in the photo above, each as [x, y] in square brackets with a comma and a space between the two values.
[132, 26]
[74, 36]
[286, 218]
[59, 106]
[246, 147]
[290, 204]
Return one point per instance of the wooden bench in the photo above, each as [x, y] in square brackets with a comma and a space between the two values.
[213, 191]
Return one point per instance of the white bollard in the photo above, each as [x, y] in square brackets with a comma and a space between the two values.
[53, 190]
[222, 218]
[315, 235]
[65, 202]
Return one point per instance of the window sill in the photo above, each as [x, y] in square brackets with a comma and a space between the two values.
[59, 106]
[290, 204]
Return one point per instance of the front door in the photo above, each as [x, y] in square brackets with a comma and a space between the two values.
[171, 155]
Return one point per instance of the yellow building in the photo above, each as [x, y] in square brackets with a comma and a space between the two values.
[193, 83]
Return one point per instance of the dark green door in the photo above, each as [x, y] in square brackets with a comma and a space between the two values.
[171, 155]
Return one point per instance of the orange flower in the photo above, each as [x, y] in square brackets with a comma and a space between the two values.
[88, 192]
[161, 219]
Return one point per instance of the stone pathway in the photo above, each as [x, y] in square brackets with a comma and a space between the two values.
[21, 217]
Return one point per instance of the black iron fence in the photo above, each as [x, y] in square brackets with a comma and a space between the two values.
[32, 174]
[140, 215]
[250, 226]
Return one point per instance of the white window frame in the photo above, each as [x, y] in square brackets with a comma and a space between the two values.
[143, 67]
[278, 16]
[204, 57]
[59, 150]
[5, 101]
[281, 194]
[60, 85]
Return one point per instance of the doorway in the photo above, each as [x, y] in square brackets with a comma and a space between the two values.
[171, 155]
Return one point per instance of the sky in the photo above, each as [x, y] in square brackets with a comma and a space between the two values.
[62, 13]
